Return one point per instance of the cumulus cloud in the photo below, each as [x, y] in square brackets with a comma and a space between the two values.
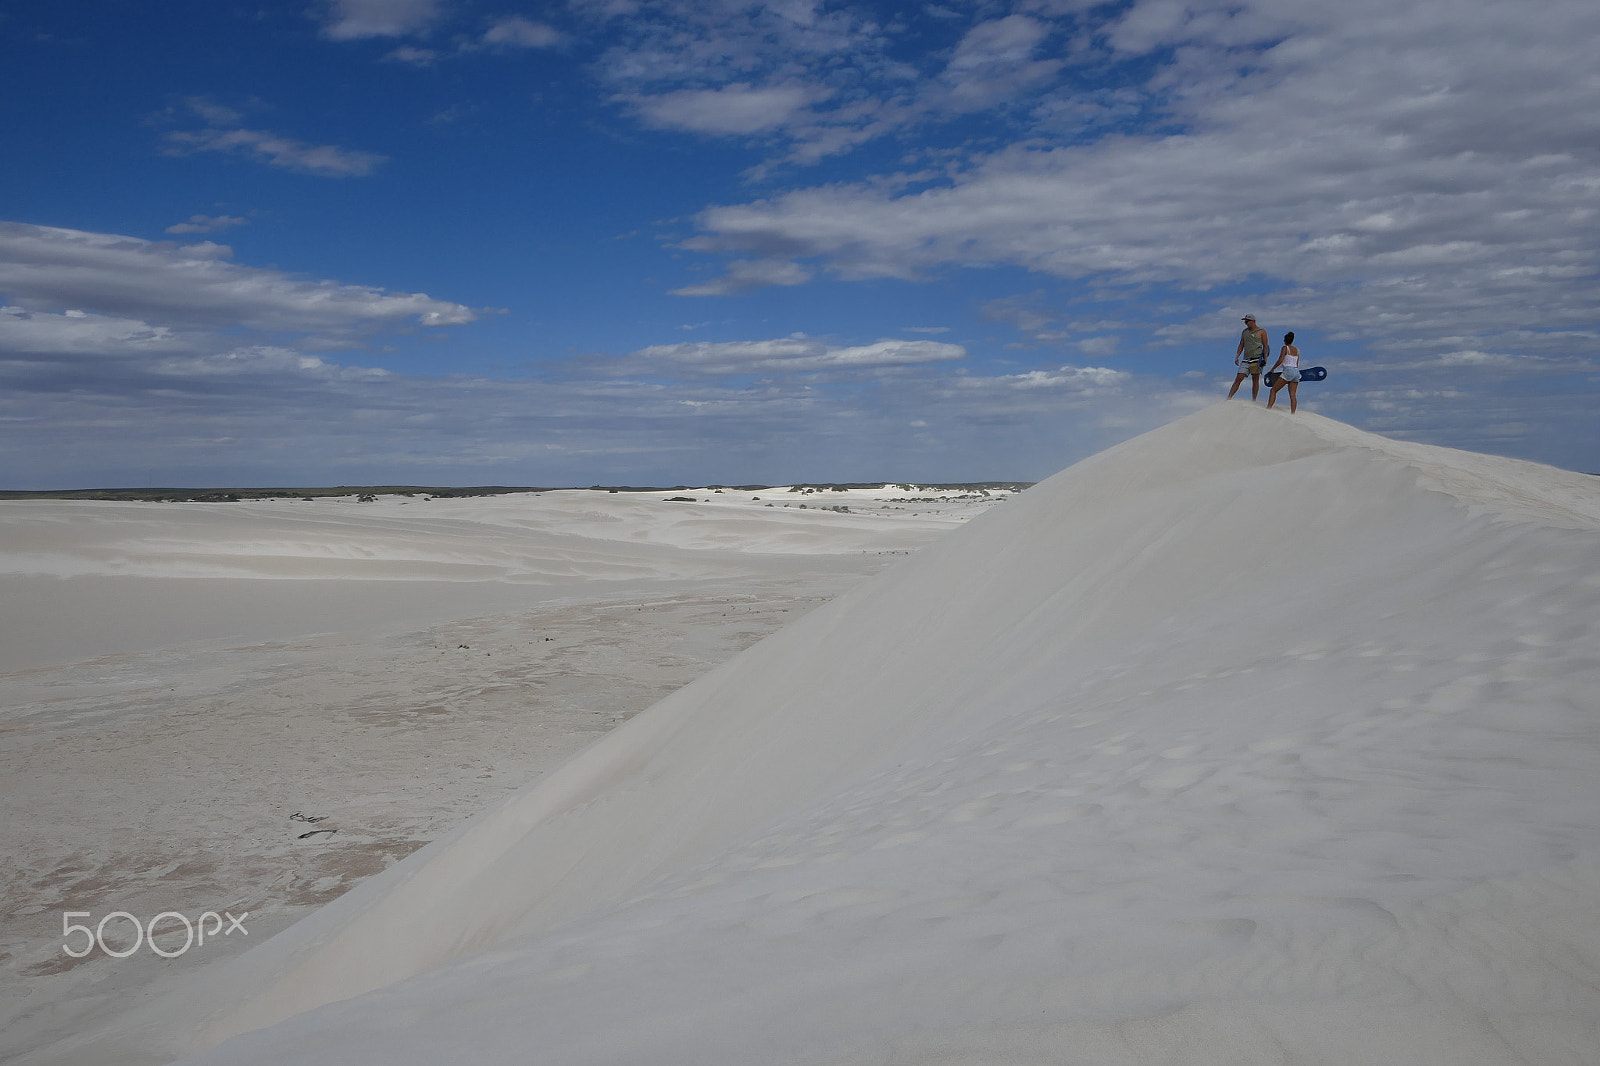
[507, 34]
[44, 269]
[1477, 405]
[268, 414]
[325, 160]
[749, 274]
[345, 20]
[223, 134]
[688, 39]
[411, 54]
[517, 32]
[259, 361]
[995, 62]
[817, 76]
[785, 355]
[817, 80]
[1399, 173]
[1070, 378]
[214, 113]
[207, 224]
[120, 354]
[1026, 315]
[75, 332]
[734, 108]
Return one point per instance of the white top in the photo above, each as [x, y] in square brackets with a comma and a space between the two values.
[1291, 356]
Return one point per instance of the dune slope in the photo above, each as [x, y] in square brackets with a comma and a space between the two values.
[1253, 739]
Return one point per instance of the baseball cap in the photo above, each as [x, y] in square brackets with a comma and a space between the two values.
[1248, 318]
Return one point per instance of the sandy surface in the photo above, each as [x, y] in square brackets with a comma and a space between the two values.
[190, 690]
[1253, 740]
[82, 578]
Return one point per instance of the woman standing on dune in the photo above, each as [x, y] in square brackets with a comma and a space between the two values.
[1289, 360]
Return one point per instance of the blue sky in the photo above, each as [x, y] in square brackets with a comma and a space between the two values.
[649, 241]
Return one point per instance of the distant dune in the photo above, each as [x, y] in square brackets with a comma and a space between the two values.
[1253, 739]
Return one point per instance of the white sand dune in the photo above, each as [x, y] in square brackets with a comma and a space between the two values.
[1254, 739]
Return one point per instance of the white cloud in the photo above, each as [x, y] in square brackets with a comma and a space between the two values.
[797, 354]
[207, 224]
[261, 360]
[1073, 379]
[818, 80]
[416, 57]
[214, 113]
[1098, 346]
[75, 332]
[1439, 402]
[266, 414]
[346, 20]
[1404, 171]
[505, 34]
[683, 40]
[994, 62]
[518, 32]
[222, 135]
[726, 69]
[749, 274]
[1025, 314]
[731, 109]
[45, 268]
[119, 354]
[329, 161]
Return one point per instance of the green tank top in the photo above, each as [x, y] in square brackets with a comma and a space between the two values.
[1252, 346]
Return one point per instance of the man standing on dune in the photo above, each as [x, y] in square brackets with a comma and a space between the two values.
[1250, 356]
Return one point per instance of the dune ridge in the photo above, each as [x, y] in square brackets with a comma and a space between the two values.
[1252, 739]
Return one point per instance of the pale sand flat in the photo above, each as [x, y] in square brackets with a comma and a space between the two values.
[180, 773]
[87, 578]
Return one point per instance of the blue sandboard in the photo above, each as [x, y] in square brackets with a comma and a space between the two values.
[1307, 373]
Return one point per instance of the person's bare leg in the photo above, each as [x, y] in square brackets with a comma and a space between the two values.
[1255, 387]
[1236, 379]
[1272, 397]
[1294, 387]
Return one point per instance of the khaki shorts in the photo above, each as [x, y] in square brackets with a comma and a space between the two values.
[1250, 366]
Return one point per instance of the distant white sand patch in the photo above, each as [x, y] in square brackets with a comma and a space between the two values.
[1253, 739]
[81, 578]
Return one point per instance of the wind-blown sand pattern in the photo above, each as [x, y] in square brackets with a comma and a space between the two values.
[1254, 739]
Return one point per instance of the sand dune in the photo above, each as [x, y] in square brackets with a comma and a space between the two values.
[1253, 739]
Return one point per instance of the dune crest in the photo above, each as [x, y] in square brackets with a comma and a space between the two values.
[1253, 736]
